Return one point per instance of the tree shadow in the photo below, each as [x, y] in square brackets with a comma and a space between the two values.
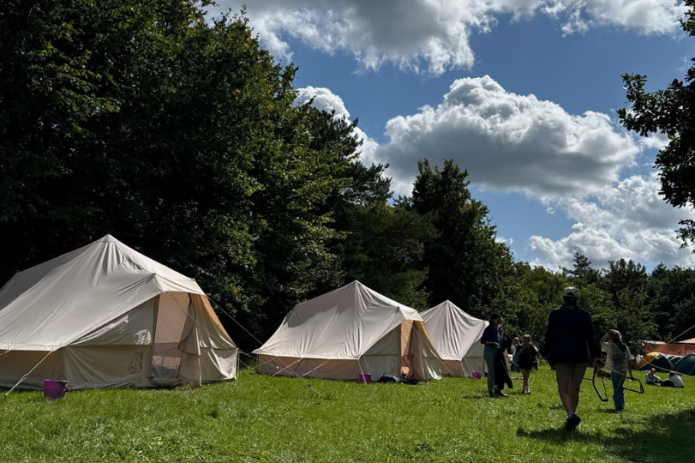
[657, 436]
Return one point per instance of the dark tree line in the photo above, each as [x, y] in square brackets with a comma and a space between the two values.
[182, 138]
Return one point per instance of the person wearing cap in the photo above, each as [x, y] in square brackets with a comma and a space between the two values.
[569, 346]
[491, 341]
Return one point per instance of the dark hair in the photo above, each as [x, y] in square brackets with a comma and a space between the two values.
[495, 316]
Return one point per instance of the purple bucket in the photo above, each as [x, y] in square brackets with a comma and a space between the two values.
[365, 378]
[54, 389]
[477, 374]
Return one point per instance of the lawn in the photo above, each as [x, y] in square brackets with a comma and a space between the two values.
[269, 419]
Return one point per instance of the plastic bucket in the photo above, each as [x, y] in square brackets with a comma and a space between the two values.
[477, 374]
[54, 389]
[365, 378]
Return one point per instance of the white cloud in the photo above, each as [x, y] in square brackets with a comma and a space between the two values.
[571, 164]
[326, 100]
[433, 33]
[629, 220]
[509, 142]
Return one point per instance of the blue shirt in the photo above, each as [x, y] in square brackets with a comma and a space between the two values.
[490, 334]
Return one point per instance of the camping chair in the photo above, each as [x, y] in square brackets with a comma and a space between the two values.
[603, 375]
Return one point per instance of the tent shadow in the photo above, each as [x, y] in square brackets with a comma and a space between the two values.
[640, 440]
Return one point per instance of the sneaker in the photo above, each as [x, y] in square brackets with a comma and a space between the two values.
[491, 394]
[500, 393]
[572, 423]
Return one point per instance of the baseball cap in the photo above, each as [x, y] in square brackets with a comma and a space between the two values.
[570, 292]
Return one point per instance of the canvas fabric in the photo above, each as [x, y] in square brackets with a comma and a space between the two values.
[107, 316]
[349, 331]
[456, 336]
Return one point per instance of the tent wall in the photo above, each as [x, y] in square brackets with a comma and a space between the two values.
[14, 365]
[309, 368]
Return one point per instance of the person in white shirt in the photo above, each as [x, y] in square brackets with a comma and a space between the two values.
[618, 362]
[673, 381]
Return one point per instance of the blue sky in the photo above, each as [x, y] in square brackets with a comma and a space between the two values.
[556, 179]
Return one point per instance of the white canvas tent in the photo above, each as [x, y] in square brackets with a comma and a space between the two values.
[349, 331]
[106, 316]
[456, 335]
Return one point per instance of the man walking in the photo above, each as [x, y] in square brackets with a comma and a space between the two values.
[569, 346]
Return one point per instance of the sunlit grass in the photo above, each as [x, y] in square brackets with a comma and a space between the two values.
[266, 419]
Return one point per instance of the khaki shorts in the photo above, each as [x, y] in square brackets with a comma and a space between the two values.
[570, 372]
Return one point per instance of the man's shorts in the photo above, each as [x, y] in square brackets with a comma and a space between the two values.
[570, 372]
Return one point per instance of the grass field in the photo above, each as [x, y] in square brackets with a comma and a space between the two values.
[269, 419]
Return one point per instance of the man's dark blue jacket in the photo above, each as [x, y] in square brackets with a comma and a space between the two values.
[569, 336]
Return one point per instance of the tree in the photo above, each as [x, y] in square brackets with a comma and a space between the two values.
[625, 283]
[670, 112]
[176, 133]
[466, 264]
[582, 273]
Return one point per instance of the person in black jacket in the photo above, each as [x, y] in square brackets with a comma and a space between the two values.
[569, 346]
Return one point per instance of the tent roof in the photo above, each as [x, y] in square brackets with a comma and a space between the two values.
[341, 324]
[687, 341]
[55, 303]
[452, 330]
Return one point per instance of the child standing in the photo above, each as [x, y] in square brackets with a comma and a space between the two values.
[527, 353]
[618, 362]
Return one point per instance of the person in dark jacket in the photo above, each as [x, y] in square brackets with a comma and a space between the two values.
[569, 346]
[491, 341]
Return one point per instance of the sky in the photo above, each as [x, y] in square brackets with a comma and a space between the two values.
[521, 93]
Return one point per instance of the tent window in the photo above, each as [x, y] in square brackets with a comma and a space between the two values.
[172, 312]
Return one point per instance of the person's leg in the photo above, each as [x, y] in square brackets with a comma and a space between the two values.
[489, 355]
[618, 392]
[573, 392]
[565, 396]
[525, 374]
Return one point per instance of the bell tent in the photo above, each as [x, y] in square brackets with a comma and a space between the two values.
[456, 336]
[350, 331]
[106, 316]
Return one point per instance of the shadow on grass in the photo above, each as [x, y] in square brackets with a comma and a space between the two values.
[658, 435]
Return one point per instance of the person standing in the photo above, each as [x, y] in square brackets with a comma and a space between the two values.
[516, 347]
[618, 362]
[527, 356]
[569, 346]
[491, 341]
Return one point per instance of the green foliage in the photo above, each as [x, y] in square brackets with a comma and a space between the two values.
[466, 264]
[670, 112]
[273, 419]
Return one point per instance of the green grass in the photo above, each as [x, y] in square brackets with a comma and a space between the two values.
[266, 419]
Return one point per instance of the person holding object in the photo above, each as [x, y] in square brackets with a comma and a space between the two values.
[569, 345]
[527, 355]
[618, 362]
[491, 341]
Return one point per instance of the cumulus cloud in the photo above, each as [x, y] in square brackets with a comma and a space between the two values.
[510, 142]
[569, 163]
[433, 34]
[325, 100]
[629, 220]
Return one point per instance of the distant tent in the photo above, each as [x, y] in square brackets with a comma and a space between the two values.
[686, 365]
[685, 347]
[656, 360]
[456, 336]
[350, 331]
[106, 316]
